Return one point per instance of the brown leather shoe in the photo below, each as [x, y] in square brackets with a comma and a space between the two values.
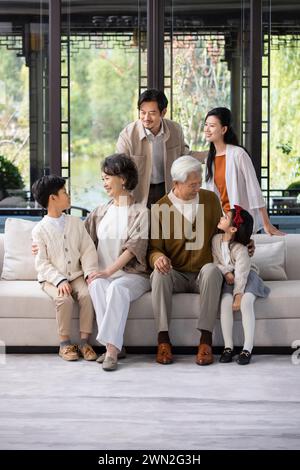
[204, 356]
[164, 353]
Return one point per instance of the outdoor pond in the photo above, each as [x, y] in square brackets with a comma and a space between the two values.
[86, 183]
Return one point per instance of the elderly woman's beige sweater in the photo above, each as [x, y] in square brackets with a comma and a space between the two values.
[137, 234]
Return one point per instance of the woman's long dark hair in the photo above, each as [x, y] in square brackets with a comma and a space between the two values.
[225, 118]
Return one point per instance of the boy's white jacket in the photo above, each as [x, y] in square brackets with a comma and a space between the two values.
[241, 182]
[64, 255]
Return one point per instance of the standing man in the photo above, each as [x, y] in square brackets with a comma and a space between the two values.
[154, 143]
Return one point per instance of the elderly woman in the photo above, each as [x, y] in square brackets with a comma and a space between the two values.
[119, 230]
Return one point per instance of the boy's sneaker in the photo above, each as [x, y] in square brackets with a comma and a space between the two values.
[226, 355]
[69, 352]
[87, 352]
[244, 357]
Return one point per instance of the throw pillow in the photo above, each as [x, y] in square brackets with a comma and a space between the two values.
[18, 263]
[270, 259]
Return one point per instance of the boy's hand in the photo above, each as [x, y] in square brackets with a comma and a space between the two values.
[34, 249]
[237, 302]
[229, 277]
[64, 289]
[251, 248]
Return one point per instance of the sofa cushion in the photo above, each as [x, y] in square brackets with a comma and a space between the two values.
[1, 251]
[17, 303]
[18, 263]
[270, 259]
[282, 302]
[292, 263]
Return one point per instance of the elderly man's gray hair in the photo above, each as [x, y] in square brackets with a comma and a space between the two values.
[183, 166]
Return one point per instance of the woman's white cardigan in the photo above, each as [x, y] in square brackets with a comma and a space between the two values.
[241, 182]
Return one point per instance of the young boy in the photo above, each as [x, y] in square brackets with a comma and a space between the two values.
[66, 257]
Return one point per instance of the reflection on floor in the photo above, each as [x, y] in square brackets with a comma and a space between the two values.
[46, 403]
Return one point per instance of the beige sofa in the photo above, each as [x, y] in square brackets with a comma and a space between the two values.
[27, 315]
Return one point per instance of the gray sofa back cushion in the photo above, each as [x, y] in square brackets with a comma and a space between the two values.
[292, 254]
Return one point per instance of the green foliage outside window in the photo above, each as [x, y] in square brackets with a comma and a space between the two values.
[104, 92]
[295, 189]
[10, 177]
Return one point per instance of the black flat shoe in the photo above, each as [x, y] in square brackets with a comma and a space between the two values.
[244, 357]
[226, 355]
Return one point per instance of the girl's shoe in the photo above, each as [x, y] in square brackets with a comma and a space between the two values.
[226, 355]
[244, 357]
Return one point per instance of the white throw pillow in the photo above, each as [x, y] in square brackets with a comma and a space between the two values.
[18, 263]
[270, 259]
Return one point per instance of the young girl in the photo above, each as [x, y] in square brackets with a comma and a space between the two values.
[242, 284]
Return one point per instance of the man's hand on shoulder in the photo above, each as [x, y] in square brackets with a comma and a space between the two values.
[251, 248]
[34, 249]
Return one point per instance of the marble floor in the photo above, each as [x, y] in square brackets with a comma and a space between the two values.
[46, 403]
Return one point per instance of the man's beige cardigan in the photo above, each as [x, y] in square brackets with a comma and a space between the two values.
[133, 142]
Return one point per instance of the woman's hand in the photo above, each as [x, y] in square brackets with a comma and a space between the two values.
[271, 230]
[99, 274]
[268, 227]
[237, 302]
[229, 277]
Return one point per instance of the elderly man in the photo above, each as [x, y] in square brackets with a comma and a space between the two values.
[182, 263]
[154, 143]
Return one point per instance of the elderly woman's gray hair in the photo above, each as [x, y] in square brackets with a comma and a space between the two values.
[183, 166]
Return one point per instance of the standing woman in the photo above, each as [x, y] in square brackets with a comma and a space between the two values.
[120, 231]
[230, 172]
